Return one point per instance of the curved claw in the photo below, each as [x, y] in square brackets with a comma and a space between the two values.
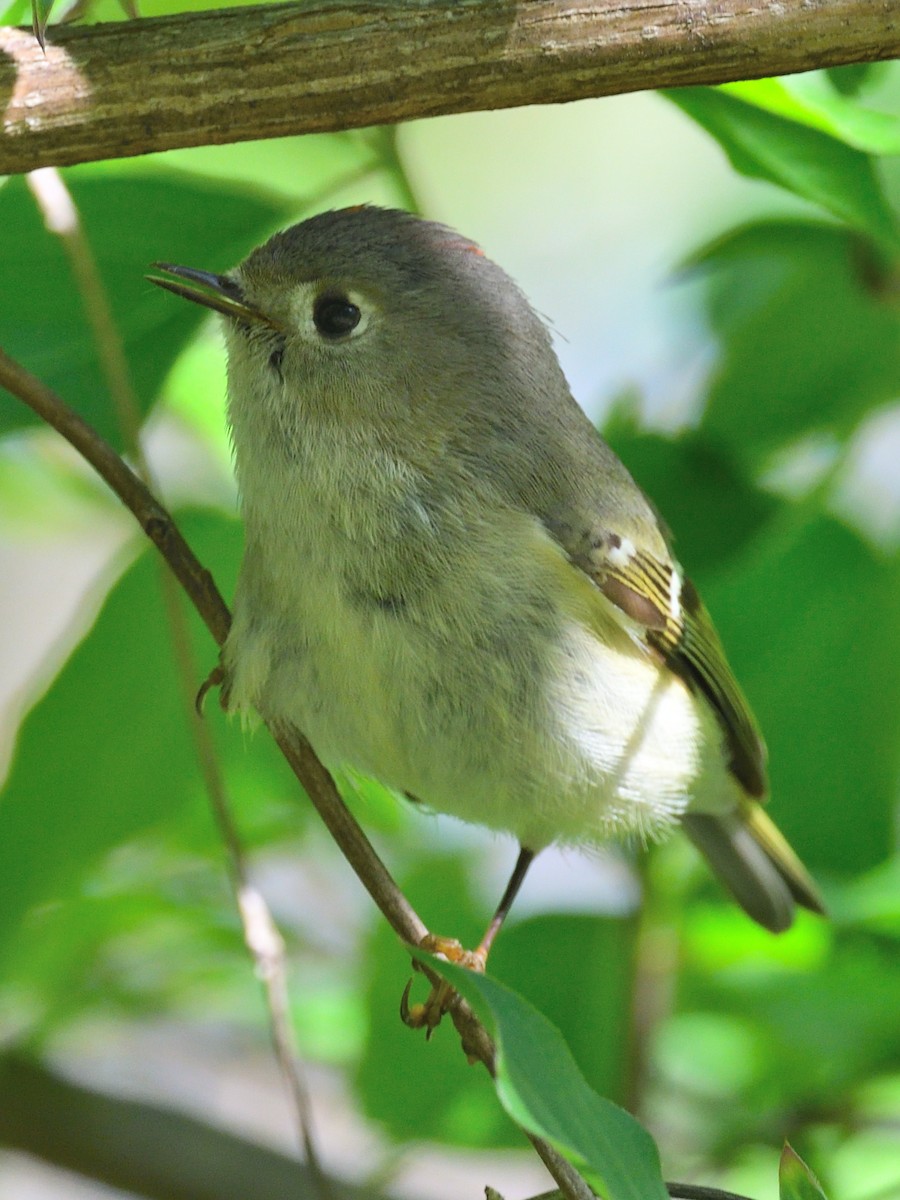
[428, 1016]
[405, 1014]
[213, 679]
[418, 1016]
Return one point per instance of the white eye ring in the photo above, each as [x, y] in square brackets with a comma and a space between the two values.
[327, 314]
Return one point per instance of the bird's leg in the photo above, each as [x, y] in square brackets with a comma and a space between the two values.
[523, 862]
[427, 1016]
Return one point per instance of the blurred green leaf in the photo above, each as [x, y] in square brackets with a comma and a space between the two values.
[811, 100]
[873, 900]
[806, 161]
[711, 508]
[819, 1032]
[853, 78]
[718, 937]
[42, 323]
[795, 1180]
[299, 169]
[15, 12]
[810, 338]
[578, 970]
[107, 753]
[811, 624]
[542, 1088]
[111, 10]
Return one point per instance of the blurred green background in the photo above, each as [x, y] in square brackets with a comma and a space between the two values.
[720, 267]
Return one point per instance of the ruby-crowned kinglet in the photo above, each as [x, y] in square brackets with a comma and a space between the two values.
[450, 581]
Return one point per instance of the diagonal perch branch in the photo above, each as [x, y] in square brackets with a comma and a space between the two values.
[238, 74]
[200, 587]
[203, 593]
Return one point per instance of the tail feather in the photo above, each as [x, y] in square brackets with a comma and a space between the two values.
[755, 863]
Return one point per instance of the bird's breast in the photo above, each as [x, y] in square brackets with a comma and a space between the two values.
[456, 654]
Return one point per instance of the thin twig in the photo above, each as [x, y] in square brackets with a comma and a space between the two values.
[261, 936]
[315, 779]
[677, 1191]
[62, 218]
[570, 1182]
[694, 1191]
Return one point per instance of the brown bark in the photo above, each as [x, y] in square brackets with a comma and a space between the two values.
[120, 89]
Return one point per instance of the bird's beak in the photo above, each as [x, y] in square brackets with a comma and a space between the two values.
[218, 292]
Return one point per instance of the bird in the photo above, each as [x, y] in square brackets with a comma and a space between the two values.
[450, 581]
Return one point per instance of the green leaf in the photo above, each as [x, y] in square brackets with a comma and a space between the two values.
[534, 958]
[853, 78]
[810, 338]
[41, 313]
[873, 901]
[107, 753]
[541, 1087]
[795, 1180]
[711, 508]
[300, 169]
[15, 12]
[819, 1031]
[40, 15]
[812, 101]
[805, 161]
[811, 625]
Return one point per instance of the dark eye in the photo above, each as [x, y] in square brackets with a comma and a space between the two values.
[335, 316]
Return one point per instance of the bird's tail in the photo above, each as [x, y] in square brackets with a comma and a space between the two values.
[755, 863]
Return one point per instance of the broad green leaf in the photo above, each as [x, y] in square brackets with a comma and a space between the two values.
[811, 100]
[818, 1031]
[795, 1180]
[810, 339]
[129, 221]
[805, 161]
[534, 957]
[873, 901]
[541, 1087]
[110, 10]
[811, 624]
[106, 754]
[710, 507]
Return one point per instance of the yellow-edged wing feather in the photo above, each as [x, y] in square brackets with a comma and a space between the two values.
[655, 594]
[744, 848]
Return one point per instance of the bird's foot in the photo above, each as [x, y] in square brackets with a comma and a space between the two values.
[427, 1016]
[215, 679]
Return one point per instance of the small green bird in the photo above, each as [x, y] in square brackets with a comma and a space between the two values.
[450, 581]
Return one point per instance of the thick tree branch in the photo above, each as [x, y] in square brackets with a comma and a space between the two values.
[245, 73]
[142, 1148]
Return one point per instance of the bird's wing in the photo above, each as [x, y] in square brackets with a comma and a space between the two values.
[671, 619]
